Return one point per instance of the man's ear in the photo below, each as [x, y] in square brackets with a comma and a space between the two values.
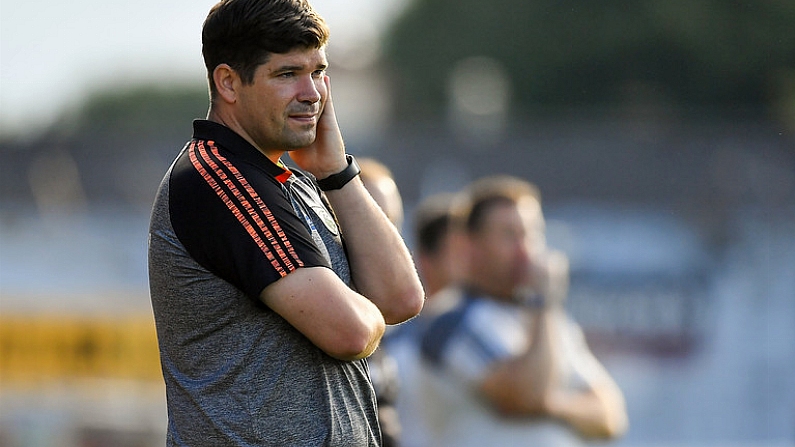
[227, 81]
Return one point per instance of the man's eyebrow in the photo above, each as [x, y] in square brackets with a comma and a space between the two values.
[288, 68]
[284, 68]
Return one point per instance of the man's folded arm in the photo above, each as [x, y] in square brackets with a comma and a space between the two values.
[336, 319]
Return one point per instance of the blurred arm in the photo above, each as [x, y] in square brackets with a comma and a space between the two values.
[531, 385]
[598, 412]
[521, 385]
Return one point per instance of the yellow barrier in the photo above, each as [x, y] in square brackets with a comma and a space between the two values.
[36, 347]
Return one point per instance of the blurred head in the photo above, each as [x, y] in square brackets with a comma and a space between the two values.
[380, 182]
[435, 242]
[504, 228]
[244, 33]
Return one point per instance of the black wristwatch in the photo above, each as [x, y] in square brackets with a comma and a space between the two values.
[340, 179]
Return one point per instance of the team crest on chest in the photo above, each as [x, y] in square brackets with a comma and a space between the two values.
[311, 198]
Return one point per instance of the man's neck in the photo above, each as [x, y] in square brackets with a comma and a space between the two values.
[232, 123]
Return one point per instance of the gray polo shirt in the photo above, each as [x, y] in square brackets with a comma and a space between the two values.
[226, 223]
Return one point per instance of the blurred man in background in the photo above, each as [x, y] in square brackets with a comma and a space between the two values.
[434, 253]
[380, 183]
[506, 365]
[435, 243]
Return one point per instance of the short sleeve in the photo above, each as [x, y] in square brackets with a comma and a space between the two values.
[235, 220]
[468, 341]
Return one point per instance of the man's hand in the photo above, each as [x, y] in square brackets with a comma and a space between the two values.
[549, 277]
[557, 284]
[326, 156]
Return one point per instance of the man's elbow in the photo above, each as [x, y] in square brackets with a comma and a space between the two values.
[606, 431]
[616, 420]
[405, 307]
[617, 425]
[612, 425]
[357, 344]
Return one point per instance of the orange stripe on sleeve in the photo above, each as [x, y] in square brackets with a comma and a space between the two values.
[198, 154]
[282, 237]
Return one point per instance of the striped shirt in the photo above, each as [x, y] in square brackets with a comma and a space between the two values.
[226, 223]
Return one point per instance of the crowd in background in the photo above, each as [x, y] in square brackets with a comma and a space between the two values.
[494, 359]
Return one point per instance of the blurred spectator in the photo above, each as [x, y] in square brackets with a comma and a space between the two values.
[380, 182]
[435, 244]
[434, 254]
[381, 185]
[503, 364]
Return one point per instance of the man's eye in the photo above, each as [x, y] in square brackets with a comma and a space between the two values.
[318, 73]
[287, 74]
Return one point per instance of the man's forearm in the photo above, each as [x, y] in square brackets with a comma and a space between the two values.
[590, 414]
[381, 265]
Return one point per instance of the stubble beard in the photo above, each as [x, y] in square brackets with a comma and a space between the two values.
[299, 140]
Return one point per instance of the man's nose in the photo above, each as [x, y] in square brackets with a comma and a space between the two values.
[310, 90]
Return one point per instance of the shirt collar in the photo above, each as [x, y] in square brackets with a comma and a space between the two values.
[229, 140]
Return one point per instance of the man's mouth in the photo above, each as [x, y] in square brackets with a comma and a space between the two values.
[305, 118]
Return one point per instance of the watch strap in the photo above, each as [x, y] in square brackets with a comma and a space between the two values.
[340, 179]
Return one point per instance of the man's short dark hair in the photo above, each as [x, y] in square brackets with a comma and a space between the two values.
[485, 193]
[244, 33]
[432, 220]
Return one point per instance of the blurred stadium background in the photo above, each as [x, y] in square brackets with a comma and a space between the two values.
[662, 135]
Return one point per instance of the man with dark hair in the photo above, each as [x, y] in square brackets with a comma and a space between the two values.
[502, 362]
[435, 242]
[271, 285]
[434, 252]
